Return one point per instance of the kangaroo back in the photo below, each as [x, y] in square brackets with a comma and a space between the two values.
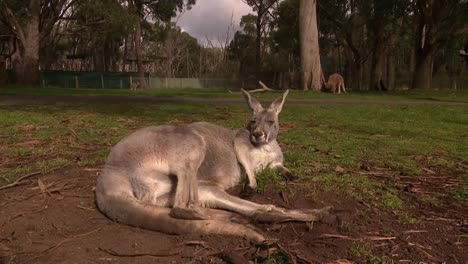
[335, 81]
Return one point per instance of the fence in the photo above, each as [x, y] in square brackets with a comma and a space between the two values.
[127, 80]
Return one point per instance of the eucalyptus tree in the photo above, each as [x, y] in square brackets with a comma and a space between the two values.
[310, 53]
[156, 10]
[31, 21]
[263, 12]
[436, 23]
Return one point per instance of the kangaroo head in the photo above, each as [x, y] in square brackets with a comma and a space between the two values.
[264, 126]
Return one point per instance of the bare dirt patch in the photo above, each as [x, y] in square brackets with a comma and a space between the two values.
[53, 219]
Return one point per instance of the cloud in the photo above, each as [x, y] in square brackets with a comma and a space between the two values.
[211, 18]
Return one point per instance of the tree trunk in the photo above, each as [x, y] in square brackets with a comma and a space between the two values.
[390, 71]
[423, 72]
[258, 42]
[139, 55]
[3, 72]
[310, 55]
[377, 69]
[27, 67]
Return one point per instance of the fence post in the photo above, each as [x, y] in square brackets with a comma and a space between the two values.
[131, 82]
[77, 84]
[120, 83]
[149, 82]
[102, 81]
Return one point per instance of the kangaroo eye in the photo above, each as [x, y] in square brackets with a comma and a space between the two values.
[270, 122]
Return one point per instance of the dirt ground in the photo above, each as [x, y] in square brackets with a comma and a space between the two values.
[53, 219]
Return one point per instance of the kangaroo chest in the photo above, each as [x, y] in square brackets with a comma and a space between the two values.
[262, 157]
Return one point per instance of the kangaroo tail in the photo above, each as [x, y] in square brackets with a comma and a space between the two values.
[128, 210]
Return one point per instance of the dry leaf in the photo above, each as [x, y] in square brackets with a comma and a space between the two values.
[429, 171]
[338, 168]
[41, 186]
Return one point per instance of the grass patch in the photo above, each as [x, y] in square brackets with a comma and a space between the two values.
[316, 139]
[429, 199]
[265, 177]
[460, 193]
[364, 252]
[363, 189]
[47, 166]
[407, 219]
[450, 95]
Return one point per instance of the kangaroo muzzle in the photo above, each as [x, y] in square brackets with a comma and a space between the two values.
[258, 137]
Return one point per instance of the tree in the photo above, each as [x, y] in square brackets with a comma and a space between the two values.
[243, 45]
[310, 55]
[384, 22]
[30, 22]
[262, 7]
[436, 23]
[159, 10]
[285, 45]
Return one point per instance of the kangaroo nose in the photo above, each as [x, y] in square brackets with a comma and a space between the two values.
[257, 133]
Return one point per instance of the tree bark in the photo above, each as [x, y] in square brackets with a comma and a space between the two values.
[377, 69]
[26, 67]
[310, 55]
[258, 41]
[390, 71]
[139, 55]
[423, 72]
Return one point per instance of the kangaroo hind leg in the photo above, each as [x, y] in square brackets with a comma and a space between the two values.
[186, 202]
[214, 197]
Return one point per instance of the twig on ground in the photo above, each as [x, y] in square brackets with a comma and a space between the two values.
[20, 215]
[414, 231]
[68, 239]
[196, 243]
[337, 236]
[85, 208]
[19, 181]
[291, 256]
[118, 254]
[420, 248]
[372, 238]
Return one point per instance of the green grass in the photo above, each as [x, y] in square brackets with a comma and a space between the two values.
[324, 144]
[450, 95]
[365, 252]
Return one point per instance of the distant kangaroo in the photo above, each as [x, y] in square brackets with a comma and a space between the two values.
[173, 178]
[335, 82]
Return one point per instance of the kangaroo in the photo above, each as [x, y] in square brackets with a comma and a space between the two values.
[151, 172]
[335, 82]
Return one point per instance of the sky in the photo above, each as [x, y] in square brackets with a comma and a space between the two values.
[211, 19]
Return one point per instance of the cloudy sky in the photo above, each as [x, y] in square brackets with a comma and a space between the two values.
[211, 18]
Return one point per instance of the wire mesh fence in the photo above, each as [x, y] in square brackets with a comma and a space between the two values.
[124, 80]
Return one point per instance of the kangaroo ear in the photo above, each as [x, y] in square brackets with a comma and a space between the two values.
[277, 105]
[252, 102]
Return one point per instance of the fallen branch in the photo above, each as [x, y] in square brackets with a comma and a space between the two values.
[18, 181]
[118, 254]
[337, 236]
[263, 89]
[372, 238]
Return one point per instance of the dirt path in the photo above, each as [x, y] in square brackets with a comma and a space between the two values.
[59, 223]
[140, 99]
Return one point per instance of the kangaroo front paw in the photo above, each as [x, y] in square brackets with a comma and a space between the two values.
[288, 176]
[188, 213]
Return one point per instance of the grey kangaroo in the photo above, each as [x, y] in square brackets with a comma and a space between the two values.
[173, 179]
